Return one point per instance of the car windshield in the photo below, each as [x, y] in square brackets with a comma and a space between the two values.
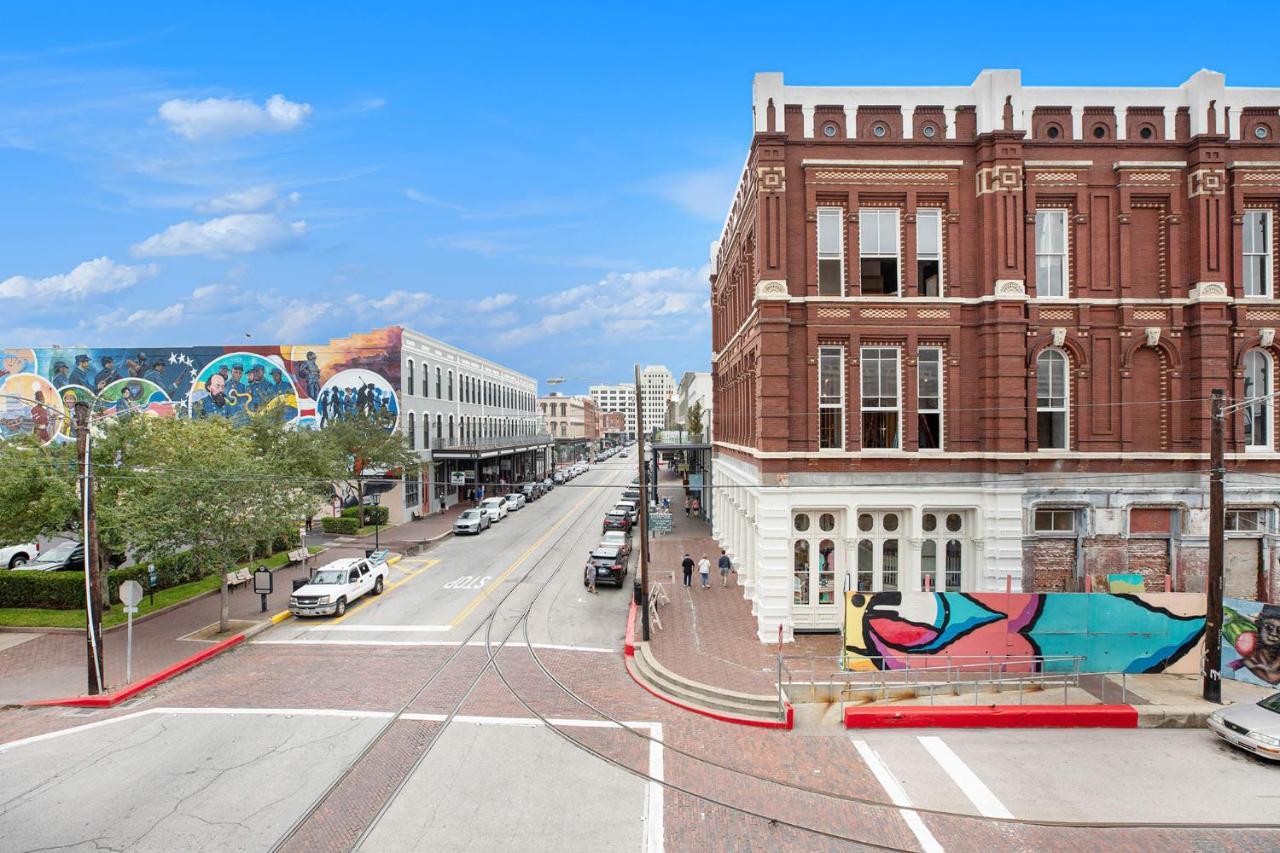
[59, 552]
[613, 538]
[617, 514]
[470, 513]
[1271, 703]
[330, 576]
[604, 553]
[491, 502]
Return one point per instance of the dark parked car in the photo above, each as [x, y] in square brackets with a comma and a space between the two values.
[617, 539]
[531, 491]
[611, 565]
[618, 519]
[64, 557]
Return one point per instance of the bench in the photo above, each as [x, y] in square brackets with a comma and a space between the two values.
[298, 555]
[234, 579]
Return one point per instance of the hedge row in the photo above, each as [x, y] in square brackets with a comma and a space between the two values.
[372, 514]
[340, 525]
[65, 590]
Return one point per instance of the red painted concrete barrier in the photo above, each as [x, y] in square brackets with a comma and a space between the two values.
[993, 717]
[629, 645]
[109, 700]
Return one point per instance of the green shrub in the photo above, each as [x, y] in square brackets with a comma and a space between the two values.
[350, 511]
[380, 513]
[340, 525]
[56, 590]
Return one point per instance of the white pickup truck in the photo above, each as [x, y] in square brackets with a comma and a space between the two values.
[12, 556]
[334, 586]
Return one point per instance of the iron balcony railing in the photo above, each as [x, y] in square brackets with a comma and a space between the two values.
[505, 442]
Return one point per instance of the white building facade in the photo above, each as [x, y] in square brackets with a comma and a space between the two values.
[617, 398]
[656, 387]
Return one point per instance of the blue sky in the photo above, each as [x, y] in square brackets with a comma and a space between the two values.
[539, 185]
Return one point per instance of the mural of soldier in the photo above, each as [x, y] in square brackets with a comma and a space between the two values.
[358, 393]
[60, 375]
[309, 375]
[107, 374]
[136, 366]
[242, 389]
[80, 373]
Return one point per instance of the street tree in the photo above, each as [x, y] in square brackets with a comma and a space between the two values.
[37, 489]
[695, 419]
[367, 450]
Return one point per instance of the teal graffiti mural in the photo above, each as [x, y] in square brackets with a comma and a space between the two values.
[39, 387]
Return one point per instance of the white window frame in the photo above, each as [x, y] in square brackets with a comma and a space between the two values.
[1265, 252]
[897, 392]
[831, 218]
[1064, 408]
[865, 215]
[922, 214]
[1042, 287]
[936, 356]
[827, 403]
[1262, 409]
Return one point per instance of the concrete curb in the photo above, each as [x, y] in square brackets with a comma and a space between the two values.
[786, 723]
[992, 717]
[1173, 716]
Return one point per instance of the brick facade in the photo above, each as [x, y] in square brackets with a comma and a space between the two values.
[1110, 238]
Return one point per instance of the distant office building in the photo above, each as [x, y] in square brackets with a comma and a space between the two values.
[656, 387]
[617, 398]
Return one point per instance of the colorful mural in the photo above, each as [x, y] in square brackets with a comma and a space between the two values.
[1251, 641]
[1150, 632]
[40, 387]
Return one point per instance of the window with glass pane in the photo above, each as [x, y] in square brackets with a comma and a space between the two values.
[954, 565]
[1055, 521]
[410, 383]
[878, 250]
[1243, 520]
[929, 252]
[880, 401]
[1051, 252]
[831, 251]
[929, 398]
[413, 432]
[866, 565]
[1257, 415]
[438, 396]
[426, 380]
[826, 572]
[889, 565]
[1051, 400]
[831, 397]
[929, 565]
[800, 573]
[1256, 233]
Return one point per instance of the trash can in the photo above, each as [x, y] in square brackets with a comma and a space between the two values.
[637, 592]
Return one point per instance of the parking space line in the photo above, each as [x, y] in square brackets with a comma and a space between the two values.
[484, 593]
[898, 797]
[387, 588]
[987, 803]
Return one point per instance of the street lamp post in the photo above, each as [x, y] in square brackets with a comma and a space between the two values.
[377, 517]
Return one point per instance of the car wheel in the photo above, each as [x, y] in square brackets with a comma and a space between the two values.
[340, 608]
[377, 586]
[18, 560]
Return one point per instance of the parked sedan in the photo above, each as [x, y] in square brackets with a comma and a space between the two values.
[631, 507]
[617, 519]
[531, 491]
[1253, 727]
[495, 507]
[471, 521]
[514, 501]
[611, 566]
[617, 539]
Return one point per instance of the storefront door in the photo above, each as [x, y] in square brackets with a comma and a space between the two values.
[816, 570]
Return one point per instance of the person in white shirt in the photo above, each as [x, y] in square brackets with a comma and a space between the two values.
[704, 571]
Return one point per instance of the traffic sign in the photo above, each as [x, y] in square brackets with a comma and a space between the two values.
[131, 593]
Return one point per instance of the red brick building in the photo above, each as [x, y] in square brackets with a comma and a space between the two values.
[973, 331]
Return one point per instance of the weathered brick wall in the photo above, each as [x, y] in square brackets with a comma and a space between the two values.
[1049, 565]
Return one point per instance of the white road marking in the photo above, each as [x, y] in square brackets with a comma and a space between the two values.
[80, 728]
[898, 797]
[475, 643]
[378, 628]
[987, 803]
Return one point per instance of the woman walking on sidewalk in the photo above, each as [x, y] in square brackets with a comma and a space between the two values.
[697, 508]
[591, 575]
[704, 571]
[688, 502]
[687, 565]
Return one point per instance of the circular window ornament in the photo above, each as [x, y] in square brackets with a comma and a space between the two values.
[1099, 132]
[827, 522]
[1261, 131]
[929, 131]
[1052, 131]
[828, 129]
[879, 130]
[802, 522]
[953, 522]
[930, 522]
[1146, 133]
[865, 522]
[891, 522]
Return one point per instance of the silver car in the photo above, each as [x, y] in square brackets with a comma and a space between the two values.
[1253, 727]
[471, 521]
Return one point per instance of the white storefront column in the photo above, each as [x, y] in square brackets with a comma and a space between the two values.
[773, 590]
[998, 541]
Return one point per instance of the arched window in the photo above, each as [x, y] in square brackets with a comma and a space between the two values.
[450, 429]
[1051, 400]
[438, 395]
[410, 383]
[439, 427]
[413, 429]
[426, 380]
[426, 430]
[1257, 415]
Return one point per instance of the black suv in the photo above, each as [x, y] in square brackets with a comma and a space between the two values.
[610, 563]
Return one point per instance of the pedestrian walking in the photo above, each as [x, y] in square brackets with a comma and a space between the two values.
[697, 508]
[687, 565]
[688, 504]
[704, 572]
[591, 575]
[726, 566]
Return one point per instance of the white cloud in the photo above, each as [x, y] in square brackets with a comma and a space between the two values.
[229, 117]
[238, 233]
[498, 300]
[654, 303]
[706, 194]
[91, 278]
[241, 201]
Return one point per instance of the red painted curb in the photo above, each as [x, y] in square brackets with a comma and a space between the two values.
[109, 700]
[724, 718]
[993, 716]
[629, 645]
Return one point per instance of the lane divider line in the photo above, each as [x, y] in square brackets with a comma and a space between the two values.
[987, 803]
[898, 797]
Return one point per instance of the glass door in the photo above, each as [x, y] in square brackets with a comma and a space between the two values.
[879, 552]
[816, 602]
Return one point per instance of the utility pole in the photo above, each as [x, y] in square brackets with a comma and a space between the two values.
[1212, 687]
[92, 572]
[644, 513]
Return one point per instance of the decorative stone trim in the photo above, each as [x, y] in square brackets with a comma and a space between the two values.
[1150, 315]
[833, 313]
[997, 179]
[1206, 182]
[770, 289]
[934, 313]
[1257, 314]
[883, 313]
[1057, 315]
[1266, 337]
[843, 176]
[1206, 291]
[1010, 288]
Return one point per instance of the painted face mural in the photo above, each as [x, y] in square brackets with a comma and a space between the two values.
[18, 360]
[1251, 641]
[70, 395]
[241, 384]
[358, 393]
[1154, 632]
[30, 405]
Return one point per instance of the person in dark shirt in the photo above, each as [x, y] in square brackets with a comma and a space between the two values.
[687, 565]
